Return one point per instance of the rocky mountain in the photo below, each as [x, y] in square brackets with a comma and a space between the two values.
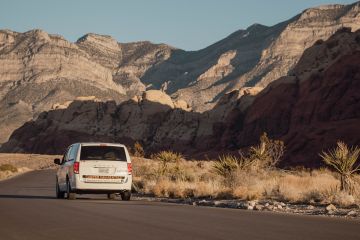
[310, 109]
[41, 71]
[252, 57]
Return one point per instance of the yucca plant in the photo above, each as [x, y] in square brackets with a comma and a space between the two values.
[343, 160]
[226, 165]
[166, 157]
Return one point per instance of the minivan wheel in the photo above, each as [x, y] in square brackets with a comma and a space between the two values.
[111, 196]
[59, 194]
[125, 196]
[69, 194]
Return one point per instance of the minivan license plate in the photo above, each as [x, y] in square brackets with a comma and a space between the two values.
[104, 170]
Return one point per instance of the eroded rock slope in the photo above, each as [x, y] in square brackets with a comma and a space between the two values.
[39, 70]
[310, 109]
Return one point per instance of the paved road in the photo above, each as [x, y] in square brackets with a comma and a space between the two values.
[28, 210]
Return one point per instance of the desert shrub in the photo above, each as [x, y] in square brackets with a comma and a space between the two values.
[226, 165]
[179, 173]
[138, 150]
[8, 167]
[306, 186]
[137, 185]
[343, 160]
[226, 193]
[268, 153]
[343, 199]
[200, 164]
[188, 193]
[166, 157]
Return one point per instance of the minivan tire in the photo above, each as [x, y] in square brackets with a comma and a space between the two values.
[69, 194]
[125, 196]
[59, 194]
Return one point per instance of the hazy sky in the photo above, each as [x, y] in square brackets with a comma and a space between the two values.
[186, 24]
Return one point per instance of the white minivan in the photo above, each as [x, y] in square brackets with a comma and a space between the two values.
[94, 168]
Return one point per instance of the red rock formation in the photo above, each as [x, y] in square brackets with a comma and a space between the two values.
[309, 115]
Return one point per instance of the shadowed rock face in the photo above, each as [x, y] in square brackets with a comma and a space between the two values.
[310, 110]
[41, 70]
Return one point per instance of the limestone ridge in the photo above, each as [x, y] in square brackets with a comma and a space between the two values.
[259, 55]
[40, 70]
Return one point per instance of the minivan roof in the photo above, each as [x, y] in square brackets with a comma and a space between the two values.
[101, 144]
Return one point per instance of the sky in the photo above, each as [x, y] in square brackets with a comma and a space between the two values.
[185, 24]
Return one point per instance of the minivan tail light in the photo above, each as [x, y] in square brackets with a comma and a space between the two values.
[129, 166]
[76, 167]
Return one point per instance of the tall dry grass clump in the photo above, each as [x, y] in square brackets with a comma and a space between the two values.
[138, 150]
[250, 175]
[8, 167]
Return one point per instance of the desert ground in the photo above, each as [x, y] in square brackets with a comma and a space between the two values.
[198, 183]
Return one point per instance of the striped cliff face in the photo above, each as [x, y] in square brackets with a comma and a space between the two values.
[41, 71]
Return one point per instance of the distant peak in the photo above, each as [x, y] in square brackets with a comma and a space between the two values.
[256, 26]
[323, 12]
[90, 36]
[99, 40]
[323, 8]
[38, 33]
[328, 6]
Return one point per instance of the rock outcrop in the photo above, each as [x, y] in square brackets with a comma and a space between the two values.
[43, 71]
[247, 58]
[310, 110]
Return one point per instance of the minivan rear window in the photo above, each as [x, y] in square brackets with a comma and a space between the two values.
[107, 153]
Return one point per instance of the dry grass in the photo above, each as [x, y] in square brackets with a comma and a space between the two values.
[23, 163]
[198, 179]
[8, 167]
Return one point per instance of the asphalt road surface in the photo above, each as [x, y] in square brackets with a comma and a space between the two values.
[28, 210]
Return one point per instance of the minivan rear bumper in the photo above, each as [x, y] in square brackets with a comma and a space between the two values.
[101, 187]
[98, 191]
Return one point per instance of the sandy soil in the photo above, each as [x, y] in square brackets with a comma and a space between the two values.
[25, 163]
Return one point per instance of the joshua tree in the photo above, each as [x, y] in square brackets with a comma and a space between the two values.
[343, 160]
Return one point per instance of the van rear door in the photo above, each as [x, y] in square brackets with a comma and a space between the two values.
[103, 163]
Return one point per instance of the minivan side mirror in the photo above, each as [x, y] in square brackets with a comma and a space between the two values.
[57, 161]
